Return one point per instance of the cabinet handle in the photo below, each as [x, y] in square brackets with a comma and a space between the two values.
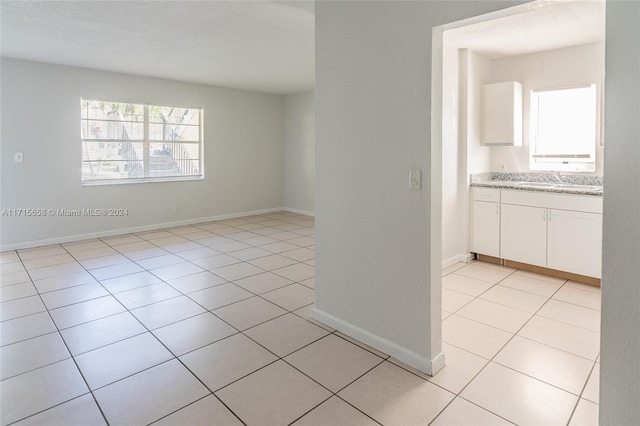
[544, 215]
[549, 216]
[497, 209]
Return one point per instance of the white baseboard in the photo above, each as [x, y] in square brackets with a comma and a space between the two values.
[428, 366]
[304, 212]
[112, 232]
[466, 258]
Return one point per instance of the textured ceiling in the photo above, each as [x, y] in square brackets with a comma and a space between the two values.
[261, 45]
[265, 46]
[542, 25]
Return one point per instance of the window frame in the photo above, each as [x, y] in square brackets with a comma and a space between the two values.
[578, 162]
[146, 143]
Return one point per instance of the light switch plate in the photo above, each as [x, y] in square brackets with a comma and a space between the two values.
[415, 179]
[18, 157]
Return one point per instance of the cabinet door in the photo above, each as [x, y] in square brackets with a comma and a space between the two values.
[524, 234]
[575, 242]
[485, 237]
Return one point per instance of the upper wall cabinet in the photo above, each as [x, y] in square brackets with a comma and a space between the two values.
[502, 114]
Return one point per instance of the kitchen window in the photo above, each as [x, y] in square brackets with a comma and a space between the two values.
[130, 142]
[564, 129]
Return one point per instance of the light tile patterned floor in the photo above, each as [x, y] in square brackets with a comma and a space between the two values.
[210, 324]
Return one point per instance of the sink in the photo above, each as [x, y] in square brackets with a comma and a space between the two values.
[537, 184]
[575, 186]
[558, 185]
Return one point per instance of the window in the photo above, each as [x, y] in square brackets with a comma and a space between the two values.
[126, 142]
[563, 129]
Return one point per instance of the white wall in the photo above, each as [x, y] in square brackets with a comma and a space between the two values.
[464, 73]
[374, 277]
[243, 154]
[570, 66]
[299, 152]
[620, 332]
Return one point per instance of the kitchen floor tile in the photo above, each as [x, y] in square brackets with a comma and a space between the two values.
[466, 285]
[176, 271]
[82, 410]
[150, 395]
[116, 361]
[26, 327]
[297, 272]
[519, 398]
[571, 314]
[147, 295]
[90, 310]
[486, 272]
[461, 366]
[514, 298]
[193, 333]
[41, 262]
[291, 297]
[453, 300]
[249, 312]
[101, 332]
[472, 336]
[237, 271]
[463, 413]
[285, 334]
[257, 399]
[201, 413]
[531, 285]
[335, 411]
[576, 296]
[218, 296]
[27, 355]
[37, 390]
[115, 271]
[72, 295]
[64, 281]
[495, 315]
[392, 395]
[196, 282]
[227, 360]
[21, 307]
[333, 362]
[586, 414]
[545, 363]
[591, 391]
[129, 282]
[17, 291]
[575, 340]
[262, 283]
[168, 311]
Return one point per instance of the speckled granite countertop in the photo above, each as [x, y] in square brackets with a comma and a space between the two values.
[540, 182]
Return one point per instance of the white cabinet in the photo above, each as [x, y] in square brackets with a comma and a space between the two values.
[524, 234]
[556, 231]
[575, 242]
[502, 114]
[485, 222]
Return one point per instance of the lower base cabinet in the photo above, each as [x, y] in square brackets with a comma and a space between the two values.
[524, 234]
[556, 231]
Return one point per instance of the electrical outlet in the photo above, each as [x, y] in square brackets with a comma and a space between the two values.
[177, 210]
[415, 179]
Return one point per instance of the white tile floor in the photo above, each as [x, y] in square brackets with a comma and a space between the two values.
[209, 324]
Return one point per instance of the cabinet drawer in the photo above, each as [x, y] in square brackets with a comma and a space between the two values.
[486, 194]
[582, 203]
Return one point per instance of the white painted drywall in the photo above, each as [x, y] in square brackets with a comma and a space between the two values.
[464, 73]
[299, 151]
[375, 279]
[566, 67]
[620, 331]
[243, 154]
